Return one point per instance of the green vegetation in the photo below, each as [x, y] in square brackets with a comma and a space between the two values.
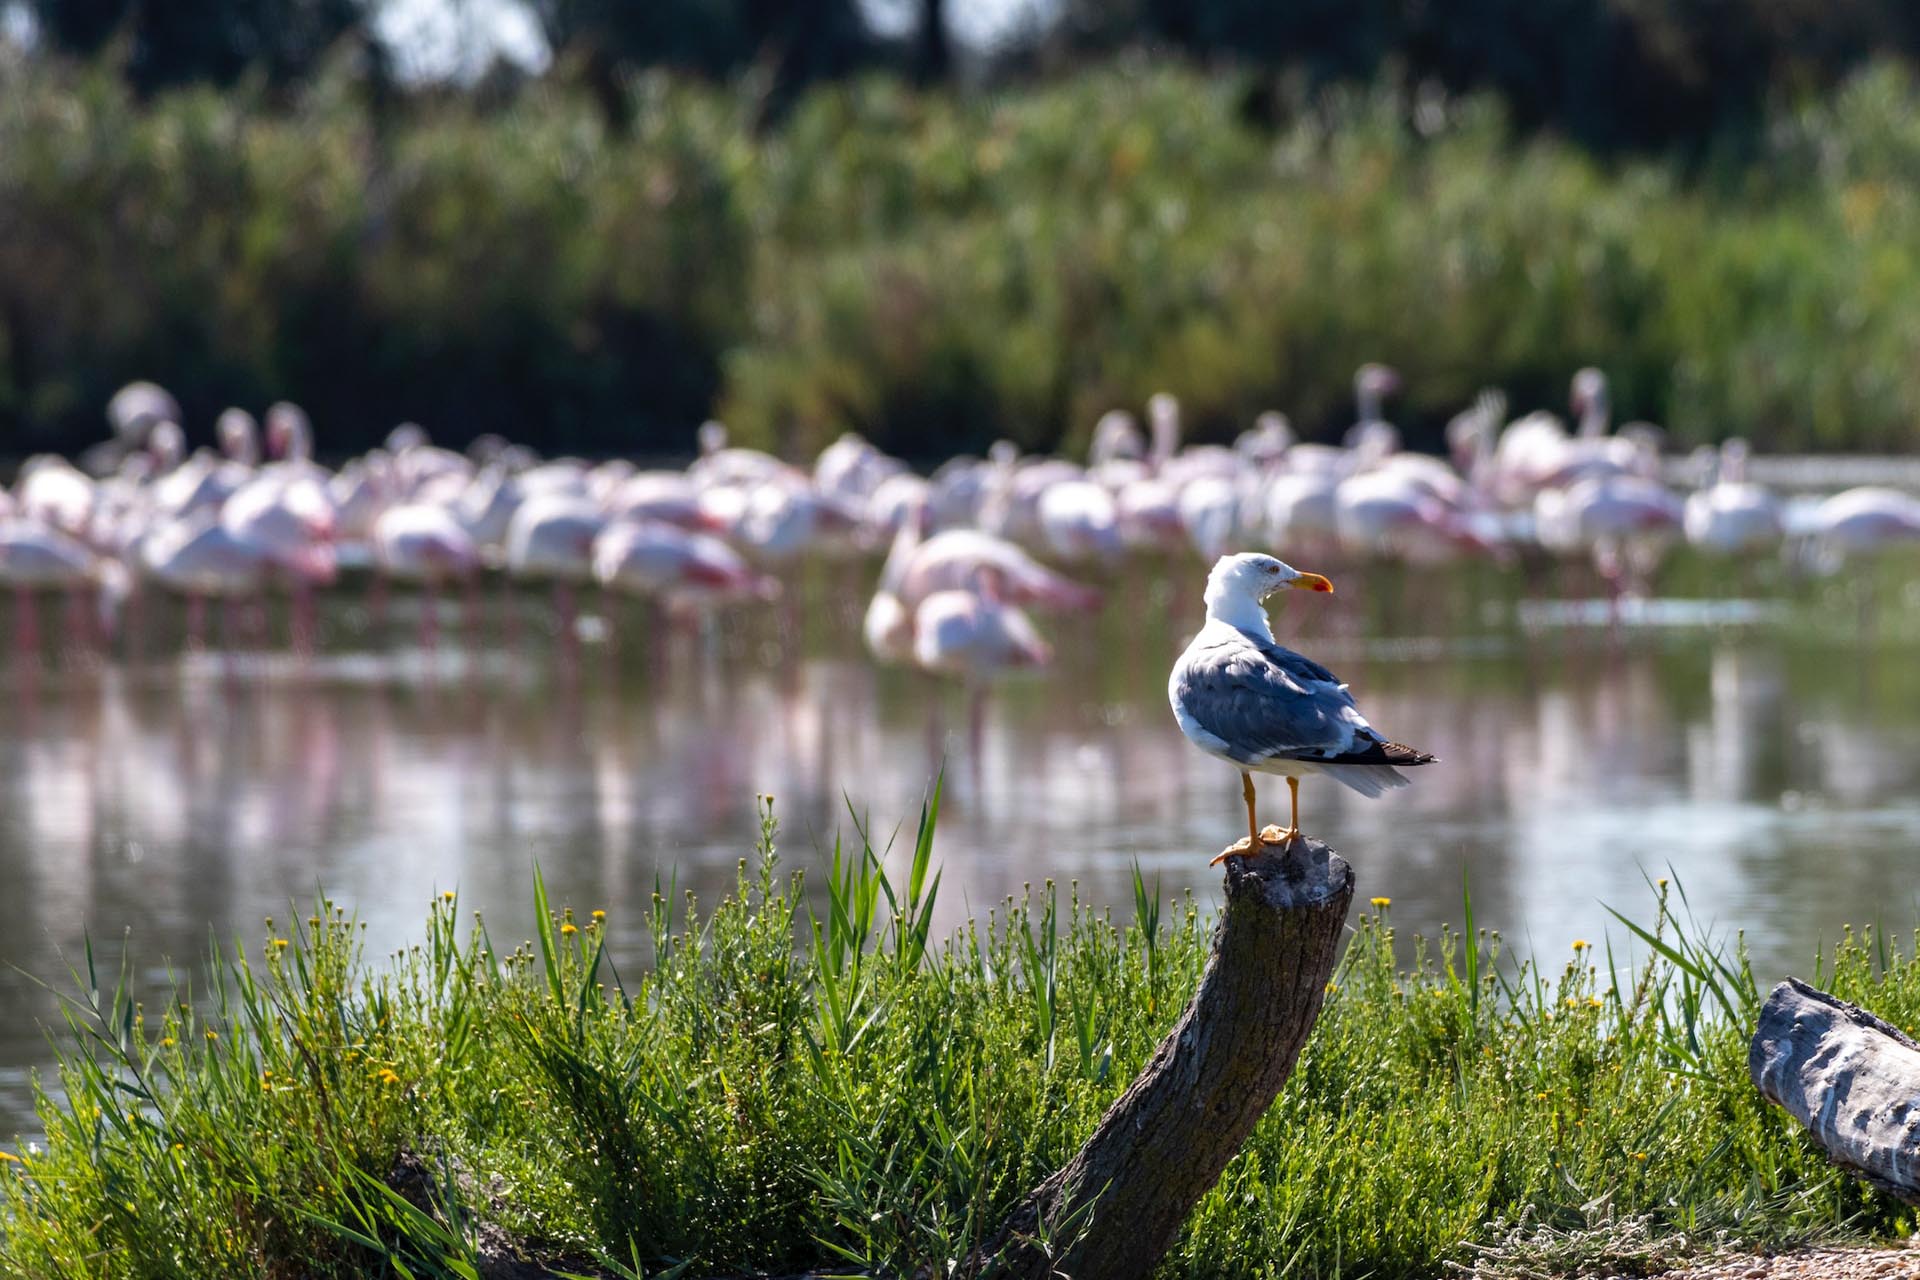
[937, 269]
[786, 1088]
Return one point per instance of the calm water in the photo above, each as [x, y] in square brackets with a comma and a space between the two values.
[1768, 754]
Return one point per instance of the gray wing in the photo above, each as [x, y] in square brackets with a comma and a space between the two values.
[1266, 702]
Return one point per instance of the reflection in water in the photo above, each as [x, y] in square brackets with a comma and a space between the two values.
[181, 803]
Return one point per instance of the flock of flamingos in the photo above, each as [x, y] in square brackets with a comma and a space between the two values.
[968, 548]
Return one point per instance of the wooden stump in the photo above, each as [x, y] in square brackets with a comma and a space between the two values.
[1120, 1202]
[1850, 1078]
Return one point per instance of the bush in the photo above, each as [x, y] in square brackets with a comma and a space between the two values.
[938, 269]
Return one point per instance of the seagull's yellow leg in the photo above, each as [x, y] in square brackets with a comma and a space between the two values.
[1253, 823]
[1255, 836]
[1292, 832]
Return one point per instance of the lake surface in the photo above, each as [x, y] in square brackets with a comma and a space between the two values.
[1759, 741]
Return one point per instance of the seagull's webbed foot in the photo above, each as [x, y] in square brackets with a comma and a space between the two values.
[1245, 847]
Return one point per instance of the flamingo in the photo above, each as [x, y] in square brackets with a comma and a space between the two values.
[775, 521]
[1148, 510]
[201, 558]
[899, 498]
[551, 536]
[1163, 427]
[1393, 511]
[1209, 513]
[1371, 433]
[137, 407]
[285, 514]
[1116, 437]
[887, 626]
[1266, 442]
[56, 493]
[851, 469]
[656, 558]
[1863, 522]
[975, 635]
[486, 508]
[1625, 522]
[667, 496]
[35, 557]
[1079, 521]
[955, 558]
[1732, 516]
[1301, 509]
[1013, 491]
[423, 545]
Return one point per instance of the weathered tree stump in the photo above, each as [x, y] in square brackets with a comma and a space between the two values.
[1850, 1078]
[1120, 1202]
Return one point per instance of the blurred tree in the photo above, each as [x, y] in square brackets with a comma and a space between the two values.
[794, 42]
[933, 47]
[167, 42]
[1612, 73]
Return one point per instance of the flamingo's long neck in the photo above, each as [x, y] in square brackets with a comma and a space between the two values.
[1166, 434]
[1594, 415]
[905, 543]
[1367, 397]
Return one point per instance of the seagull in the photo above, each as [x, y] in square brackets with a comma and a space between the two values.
[1238, 694]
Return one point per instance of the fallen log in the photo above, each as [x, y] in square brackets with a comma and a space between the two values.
[1849, 1077]
[1119, 1204]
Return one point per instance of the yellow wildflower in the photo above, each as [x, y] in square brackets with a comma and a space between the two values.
[1579, 944]
[569, 928]
[387, 1075]
[212, 1034]
[1639, 1155]
[446, 895]
[166, 1042]
[1382, 902]
[1595, 1001]
[281, 943]
[599, 914]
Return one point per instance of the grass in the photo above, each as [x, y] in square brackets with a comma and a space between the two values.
[782, 1089]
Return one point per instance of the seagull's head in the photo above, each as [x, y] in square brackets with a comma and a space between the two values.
[1249, 578]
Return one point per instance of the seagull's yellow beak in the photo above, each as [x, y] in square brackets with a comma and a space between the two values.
[1311, 582]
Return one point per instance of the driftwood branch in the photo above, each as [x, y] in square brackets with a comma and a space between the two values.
[1120, 1202]
[1850, 1078]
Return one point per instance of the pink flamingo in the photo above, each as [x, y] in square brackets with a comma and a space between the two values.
[285, 515]
[1394, 512]
[975, 636]
[1079, 520]
[667, 496]
[550, 538]
[34, 558]
[422, 545]
[954, 559]
[201, 558]
[57, 494]
[655, 558]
